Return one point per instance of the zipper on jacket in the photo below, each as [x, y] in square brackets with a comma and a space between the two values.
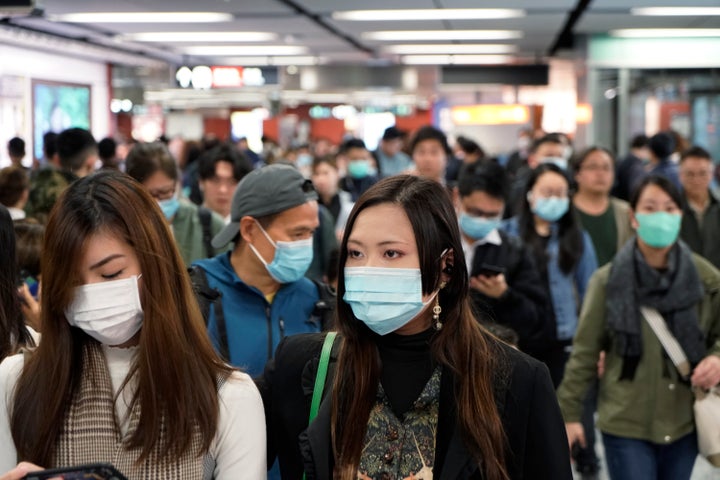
[282, 328]
[270, 333]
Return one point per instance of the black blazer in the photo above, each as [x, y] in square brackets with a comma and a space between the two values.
[538, 447]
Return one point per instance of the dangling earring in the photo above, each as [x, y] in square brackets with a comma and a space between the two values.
[437, 310]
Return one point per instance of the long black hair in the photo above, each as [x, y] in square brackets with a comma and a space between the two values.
[569, 231]
[13, 333]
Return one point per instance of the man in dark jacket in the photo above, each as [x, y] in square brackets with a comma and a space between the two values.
[701, 211]
[662, 145]
[631, 168]
[504, 281]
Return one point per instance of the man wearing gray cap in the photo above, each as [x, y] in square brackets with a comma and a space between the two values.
[263, 292]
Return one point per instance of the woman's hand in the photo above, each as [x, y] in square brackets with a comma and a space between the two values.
[575, 433]
[30, 308]
[22, 469]
[707, 373]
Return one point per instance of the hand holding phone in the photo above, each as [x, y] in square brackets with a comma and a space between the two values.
[487, 270]
[95, 471]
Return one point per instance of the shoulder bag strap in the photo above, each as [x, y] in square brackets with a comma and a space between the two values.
[668, 341]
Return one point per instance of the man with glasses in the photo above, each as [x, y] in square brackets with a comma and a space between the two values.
[504, 282]
[219, 172]
[701, 212]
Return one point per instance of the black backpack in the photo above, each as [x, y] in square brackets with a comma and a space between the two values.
[206, 296]
[205, 216]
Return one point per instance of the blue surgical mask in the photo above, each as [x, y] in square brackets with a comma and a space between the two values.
[384, 299]
[291, 259]
[169, 207]
[560, 162]
[359, 169]
[551, 209]
[658, 229]
[478, 227]
[304, 160]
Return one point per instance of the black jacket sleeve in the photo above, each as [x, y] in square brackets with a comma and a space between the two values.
[525, 307]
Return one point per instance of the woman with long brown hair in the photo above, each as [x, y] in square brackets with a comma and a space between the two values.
[420, 389]
[125, 372]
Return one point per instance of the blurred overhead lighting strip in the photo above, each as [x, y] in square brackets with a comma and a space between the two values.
[144, 17]
[676, 11]
[665, 32]
[428, 14]
[456, 59]
[182, 37]
[275, 61]
[242, 50]
[448, 48]
[430, 35]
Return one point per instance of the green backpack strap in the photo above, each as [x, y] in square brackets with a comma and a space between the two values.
[321, 376]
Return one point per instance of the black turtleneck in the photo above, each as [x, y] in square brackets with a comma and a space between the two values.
[407, 366]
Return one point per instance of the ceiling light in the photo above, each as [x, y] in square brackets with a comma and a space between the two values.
[429, 35]
[262, 61]
[665, 32]
[180, 37]
[456, 59]
[144, 17]
[260, 50]
[448, 48]
[429, 14]
[676, 11]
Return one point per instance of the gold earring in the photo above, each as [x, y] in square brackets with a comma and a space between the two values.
[437, 309]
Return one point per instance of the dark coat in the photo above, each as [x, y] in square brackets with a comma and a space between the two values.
[525, 307]
[525, 396]
[703, 239]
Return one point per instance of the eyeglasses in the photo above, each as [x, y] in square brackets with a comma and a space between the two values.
[223, 181]
[699, 174]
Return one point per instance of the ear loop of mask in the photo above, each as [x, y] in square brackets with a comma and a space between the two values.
[252, 247]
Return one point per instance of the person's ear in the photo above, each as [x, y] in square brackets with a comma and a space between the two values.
[248, 229]
[633, 221]
[447, 266]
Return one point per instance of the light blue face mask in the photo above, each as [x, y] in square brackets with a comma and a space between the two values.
[478, 227]
[551, 209]
[291, 259]
[169, 207]
[384, 299]
[560, 162]
[304, 160]
[359, 169]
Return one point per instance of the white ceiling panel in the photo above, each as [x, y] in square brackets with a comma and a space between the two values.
[528, 24]
[598, 22]
[625, 4]
[230, 6]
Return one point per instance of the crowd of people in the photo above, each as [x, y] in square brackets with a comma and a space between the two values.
[165, 307]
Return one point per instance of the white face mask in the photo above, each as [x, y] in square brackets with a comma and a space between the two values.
[110, 312]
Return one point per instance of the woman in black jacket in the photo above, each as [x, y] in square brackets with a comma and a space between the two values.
[417, 388]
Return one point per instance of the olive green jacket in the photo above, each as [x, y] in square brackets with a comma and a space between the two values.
[188, 233]
[655, 406]
[621, 211]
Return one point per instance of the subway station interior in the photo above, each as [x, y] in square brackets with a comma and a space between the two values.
[600, 71]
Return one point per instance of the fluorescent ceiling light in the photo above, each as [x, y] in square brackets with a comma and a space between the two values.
[676, 11]
[665, 32]
[455, 59]
[194, 37]
[429, 14]
[144, 17]
[448, 48]
[406, 35]
[289, 60]
[268, 50]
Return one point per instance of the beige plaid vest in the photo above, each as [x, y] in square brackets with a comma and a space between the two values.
[90, 432]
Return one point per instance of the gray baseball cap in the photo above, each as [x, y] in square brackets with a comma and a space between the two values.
[266, 191]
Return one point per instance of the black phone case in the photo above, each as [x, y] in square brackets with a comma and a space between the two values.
[95, 471]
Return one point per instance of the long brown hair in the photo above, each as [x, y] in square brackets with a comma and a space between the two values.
[462, 347]
[176, 366]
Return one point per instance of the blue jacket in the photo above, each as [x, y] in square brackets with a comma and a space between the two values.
[254, 326]
[566, 290]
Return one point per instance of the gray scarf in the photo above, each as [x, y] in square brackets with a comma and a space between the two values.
[674, 293]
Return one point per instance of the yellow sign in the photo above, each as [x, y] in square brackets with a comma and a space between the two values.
[490, 115]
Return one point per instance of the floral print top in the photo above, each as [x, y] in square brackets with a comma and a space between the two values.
[402, 449]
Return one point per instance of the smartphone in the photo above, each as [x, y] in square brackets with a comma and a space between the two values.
[94, 471]
[488, 270]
